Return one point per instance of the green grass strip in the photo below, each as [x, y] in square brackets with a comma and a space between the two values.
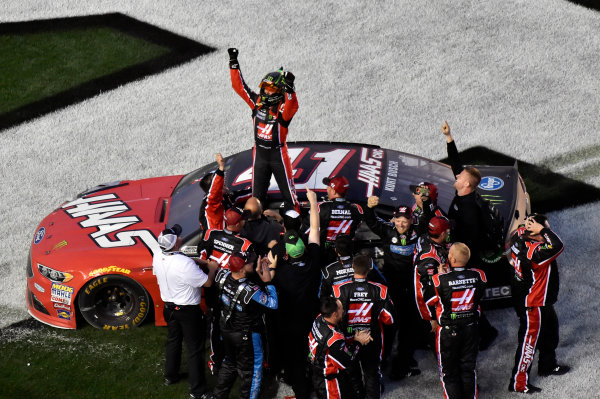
[35, 66]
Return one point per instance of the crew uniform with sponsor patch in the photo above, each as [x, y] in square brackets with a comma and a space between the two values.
[458, 295]
[366, 307]
[337, 215]
[430, 254]
[218, 245]
[242, 306]
[330, 354]
[398, 242]
[272, 112]
[341, 270]
[534, 249]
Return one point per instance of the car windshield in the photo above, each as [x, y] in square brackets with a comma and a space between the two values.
[186, 200]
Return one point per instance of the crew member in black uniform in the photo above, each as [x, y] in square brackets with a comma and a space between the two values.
[180, 280]
[272, 112]
[264, 233]
[337, 215]
[367, 306]
[297, 281]
[341, 270]
[330, 355]
[467, 223]
[425, 207]
[218, 245]
[458, 295]
[242, 305]
[431, 256]
[398, 242]
[534, 249]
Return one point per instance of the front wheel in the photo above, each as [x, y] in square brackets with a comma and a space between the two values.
[113, 302]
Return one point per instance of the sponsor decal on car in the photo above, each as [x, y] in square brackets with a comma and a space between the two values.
[39, 287]
[491, 183]
[64, 314]
[109, 269]
[61, 306]
[39, 235]
[369, 169]
[392, 176]
[60, 245]
[106, 217]
[61, 293]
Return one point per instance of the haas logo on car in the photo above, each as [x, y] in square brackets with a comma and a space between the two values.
[104, 215]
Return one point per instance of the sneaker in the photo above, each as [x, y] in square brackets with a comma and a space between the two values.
[397, 375]
[558, 370]
[171, 381]
[528, 389]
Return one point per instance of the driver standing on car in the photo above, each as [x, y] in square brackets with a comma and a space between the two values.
[272, 112]
[180, 280]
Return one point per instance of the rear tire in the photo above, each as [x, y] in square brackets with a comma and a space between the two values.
[113, 302]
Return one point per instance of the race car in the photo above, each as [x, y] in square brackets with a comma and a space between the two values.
[92, 257]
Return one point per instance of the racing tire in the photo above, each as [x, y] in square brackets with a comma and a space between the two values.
[113, 302]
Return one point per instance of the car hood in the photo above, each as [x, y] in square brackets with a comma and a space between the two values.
[118, 221]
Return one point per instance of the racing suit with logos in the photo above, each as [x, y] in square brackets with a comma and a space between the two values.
[458, 295]
[330, 357]
[398, 252]
[366, 306]
[337, 216]
[270, 155]
[242, 304]
[535, 288]
[218, 245]
[341, 270]
[428, 256]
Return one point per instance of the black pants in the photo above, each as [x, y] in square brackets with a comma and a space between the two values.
[274, 162]
[243, 357]
[408, 326]
[457, 357]
[538, 329]
[369, 364]
[186, 323]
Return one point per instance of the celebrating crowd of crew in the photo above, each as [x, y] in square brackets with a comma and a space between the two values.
[291, 295]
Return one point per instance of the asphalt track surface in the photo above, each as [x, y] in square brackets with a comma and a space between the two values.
[518, 78]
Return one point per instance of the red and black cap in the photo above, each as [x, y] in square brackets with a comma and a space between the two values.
[339, 184]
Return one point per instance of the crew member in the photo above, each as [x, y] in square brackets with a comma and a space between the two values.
[272, 112]
[534, 249]
[468, 226]
[398, 242]
[297, 280]
[431, 255]
[264, 233]
[425, 207]
[458, 295]
[341, 270]
[366, 307]
[180, 281]
[330, 355]
[212, 209]
[242, 304]
[337, 215]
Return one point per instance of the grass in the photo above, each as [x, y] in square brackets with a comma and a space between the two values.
[43, 64]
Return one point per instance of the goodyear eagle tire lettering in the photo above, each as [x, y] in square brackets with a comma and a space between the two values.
[113, 302]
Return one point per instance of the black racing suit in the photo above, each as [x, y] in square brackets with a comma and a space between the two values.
[398, 252]
[330, 357]
[270, 149]
[366, 306]
[341, 270]
[458, 294]
[535, 288]
[337, 217]
[218, 245]
[242, 305]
